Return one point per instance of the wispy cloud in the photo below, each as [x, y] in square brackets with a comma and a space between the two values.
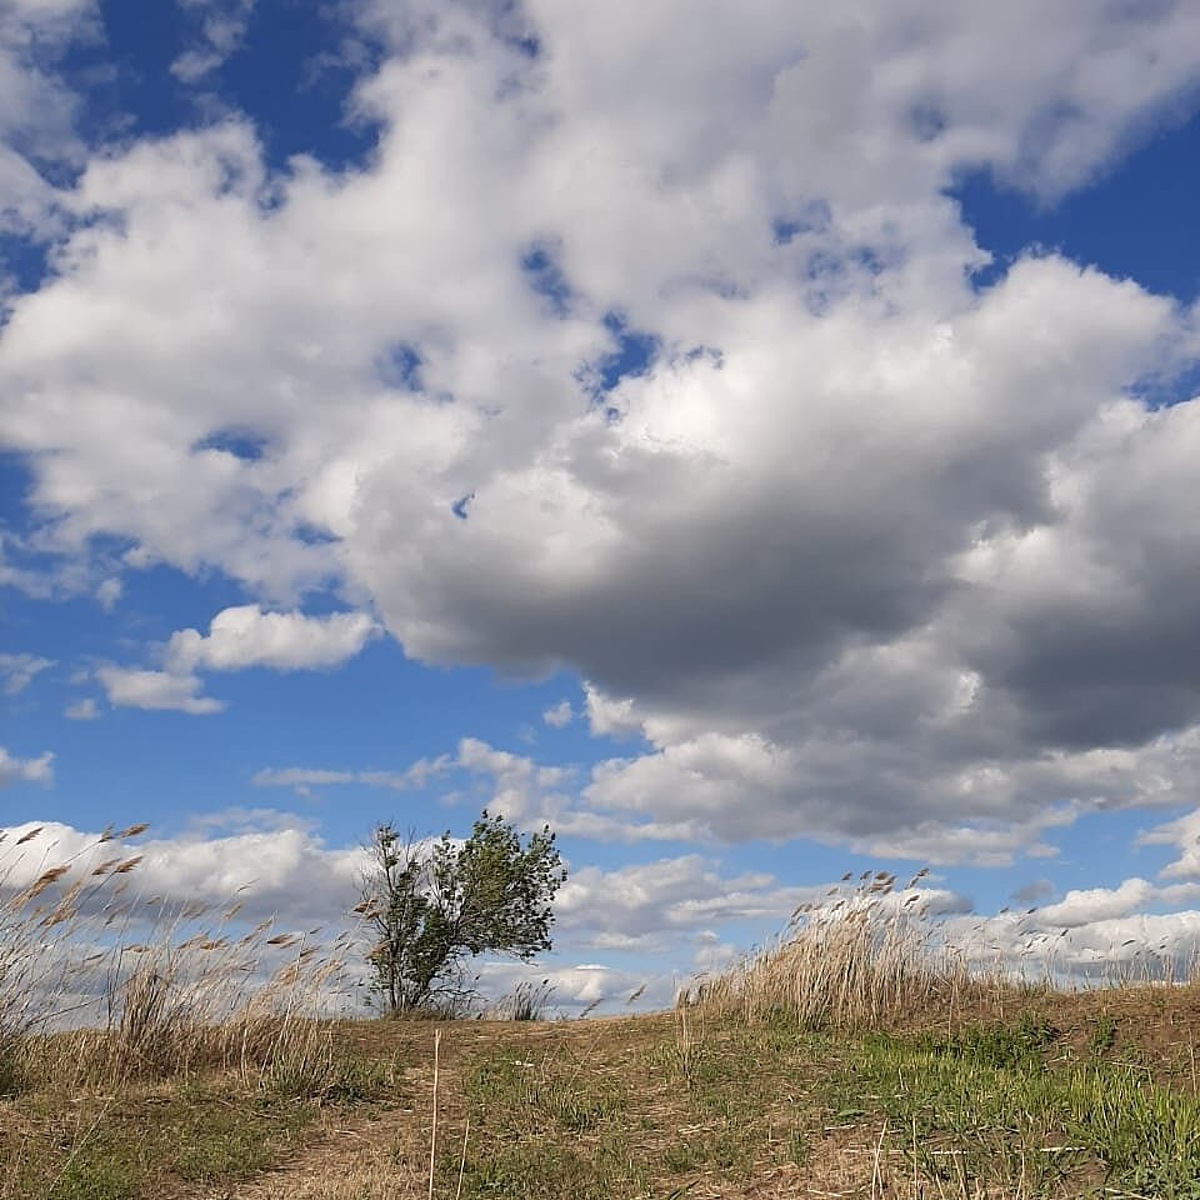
[220, 29]
[25, 770]
[19, 670]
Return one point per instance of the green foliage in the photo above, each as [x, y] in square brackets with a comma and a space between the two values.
[432, 910]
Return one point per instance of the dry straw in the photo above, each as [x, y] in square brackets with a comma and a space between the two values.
[164, 989]
[866, 957]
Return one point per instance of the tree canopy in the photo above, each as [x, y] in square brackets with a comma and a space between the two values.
[434, 905]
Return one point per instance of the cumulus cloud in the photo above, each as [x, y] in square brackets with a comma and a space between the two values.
[272, 864]
[37, 112]
[514, 786]
[1110, 946]
[25, 770]
[159, 690]
[648, 906]
[640, 371]
[680, 914]
[574, 988]
[238, 638]
[247, 636]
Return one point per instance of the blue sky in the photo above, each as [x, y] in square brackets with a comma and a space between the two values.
[758, 443]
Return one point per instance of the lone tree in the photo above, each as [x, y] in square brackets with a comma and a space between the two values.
[433, 906]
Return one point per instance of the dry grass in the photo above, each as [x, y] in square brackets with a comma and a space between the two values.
[164, 990]
[867, 958]
[857, 1058]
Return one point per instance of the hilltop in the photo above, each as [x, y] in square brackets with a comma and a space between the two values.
[1018, 1092]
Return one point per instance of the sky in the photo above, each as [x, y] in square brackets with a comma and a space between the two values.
[758, 440]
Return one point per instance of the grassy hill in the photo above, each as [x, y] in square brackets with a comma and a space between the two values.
[856, 1058]
[1018, 1092]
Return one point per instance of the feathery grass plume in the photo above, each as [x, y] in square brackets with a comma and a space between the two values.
[203, 999]
[171, 988]
[51, 915]
[528, 1001]
[864, 958]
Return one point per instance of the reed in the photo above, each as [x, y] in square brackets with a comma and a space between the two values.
[100, 984]
[867, 957]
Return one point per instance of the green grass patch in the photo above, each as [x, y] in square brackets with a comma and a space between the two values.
[995, 1107]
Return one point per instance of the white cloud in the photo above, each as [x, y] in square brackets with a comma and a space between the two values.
[514, 786]
[25, 770]
[675, 914]
[238, 638]
[608, 717]
[108, 592]
[272, 865]
[128, 688]
[37, 111]
[415, 776]
[19, 670]
[222, 28]
[1087, 906]
[1184, 834]
[650, 906]
[560, 715]
[84, 710]
[246, 636]
[861, 554]
[276, 865]
[1108, 947]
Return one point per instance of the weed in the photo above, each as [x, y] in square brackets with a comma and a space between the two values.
[1104, 1034]
[1018, 1046]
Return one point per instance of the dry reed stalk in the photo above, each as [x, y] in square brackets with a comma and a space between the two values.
[437, 1045]
[462, 1162]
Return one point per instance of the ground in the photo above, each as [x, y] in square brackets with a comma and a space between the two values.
[1010, 1094]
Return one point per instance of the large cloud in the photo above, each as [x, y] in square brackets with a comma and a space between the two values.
[861, 553]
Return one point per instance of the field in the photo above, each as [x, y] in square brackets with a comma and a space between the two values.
[855, 1058]
[1037, 1095]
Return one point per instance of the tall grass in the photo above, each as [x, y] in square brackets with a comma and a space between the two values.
[152, 989]
[528, 1001]
[867, 957]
